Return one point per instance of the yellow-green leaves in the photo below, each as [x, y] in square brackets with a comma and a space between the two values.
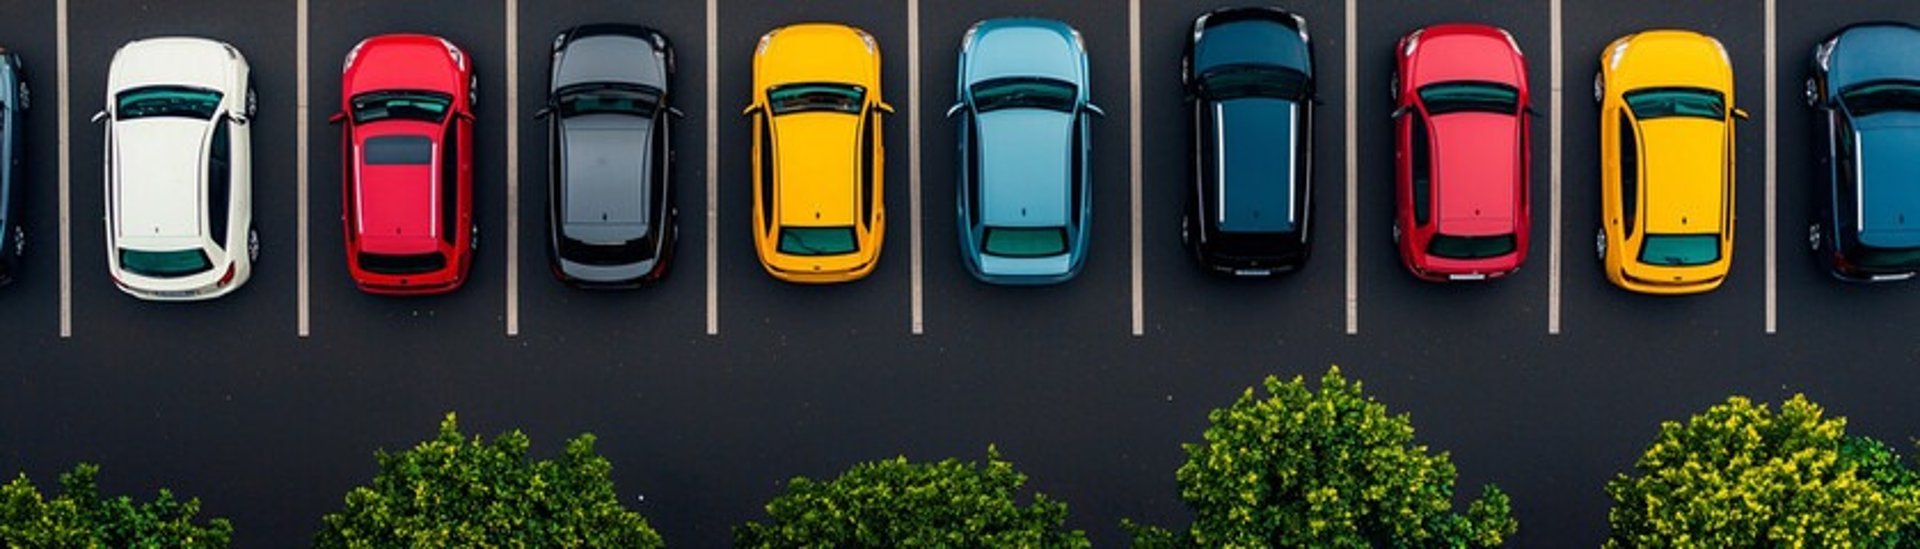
[1740, 475]
[80, 517]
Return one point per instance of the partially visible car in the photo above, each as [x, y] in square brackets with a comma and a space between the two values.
[1249, 81]
[179, 169]
[15, 99]
[407, 146]
[610, 200]
[1865, 89]
[1666, 162]
[1025, 185]
[1462, 159]
[819, 159]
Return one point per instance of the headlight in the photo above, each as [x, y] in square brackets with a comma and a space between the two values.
[1515, 44]
[765, 39]
[1413, 41]
[1300, 23]
[1723, 52]
[351, 54]
[1619, 52]
[1200, 27]
[559, 41]
[872, 46]
[1078, 41]
[966, 42]
[453, 52]
[1823, 53]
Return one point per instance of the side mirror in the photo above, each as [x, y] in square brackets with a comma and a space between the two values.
[543, 113]
[955, 109]
[1096, 110]
[98, 116]
[1740, 113]
[1531, 112]
[1402, 111]
[750, 110]
[337, 118]
[884, 107]
[240, 119]
[676, 113]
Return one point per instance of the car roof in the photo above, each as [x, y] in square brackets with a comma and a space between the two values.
[1684, 165]
[607, 171]
[1254, 173]
[816, 155]
[160, 182]
[398, 206]
[1890, 179]
[1475, 154]
[1258, 39]
[1024, 163]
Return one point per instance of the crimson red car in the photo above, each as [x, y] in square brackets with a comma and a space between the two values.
[407, 115]
[1462, 164]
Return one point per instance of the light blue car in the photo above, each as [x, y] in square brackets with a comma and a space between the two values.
[1025, 187]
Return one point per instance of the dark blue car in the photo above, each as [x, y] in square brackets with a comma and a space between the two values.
[1865, 87]
[14, 101]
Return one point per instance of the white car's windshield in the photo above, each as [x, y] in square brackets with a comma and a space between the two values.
[176, 101]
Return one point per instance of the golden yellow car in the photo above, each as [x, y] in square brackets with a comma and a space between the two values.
[1666, 162]
[817, 156]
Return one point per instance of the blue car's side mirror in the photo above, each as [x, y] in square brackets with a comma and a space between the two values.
[955, 109]
[1096, 110]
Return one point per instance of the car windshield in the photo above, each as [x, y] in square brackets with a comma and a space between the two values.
[168, 264]
[408, 264]
[157, 101]
[604, 99]
[1026, 241]
[1470, 247]
[1670, 102]
[405, 105]
[812, 241]
[1450, 97]
[398, 150]
[1680, 250]
[1871, 257]
[1238, 81]
[1879, 97]
[792, 98]
[1024, 93]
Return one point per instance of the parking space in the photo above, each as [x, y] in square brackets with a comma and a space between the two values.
[804, 380]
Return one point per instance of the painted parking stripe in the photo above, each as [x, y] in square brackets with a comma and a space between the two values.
[1553, 162]
[1353, 177]
[1133, 127]
[713, 167]
[66, 173]
[913, 161]
[300, 162]
[1773, 247]
[513, 168]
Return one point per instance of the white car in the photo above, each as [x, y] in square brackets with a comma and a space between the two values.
[179, 171]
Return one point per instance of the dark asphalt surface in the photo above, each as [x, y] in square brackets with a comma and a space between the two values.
[222, 401]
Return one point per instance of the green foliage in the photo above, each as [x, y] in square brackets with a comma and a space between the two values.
[1330, 468]
[80, 517]
[894, 503]
[1740, 475]
[456, 492]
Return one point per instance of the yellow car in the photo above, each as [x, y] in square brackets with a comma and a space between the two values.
[1666, 162]
[817, 154]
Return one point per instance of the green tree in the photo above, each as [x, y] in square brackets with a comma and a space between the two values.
[458, 492]
[1740, 475]
[1327, 468]
[893, 503]
[80, 517]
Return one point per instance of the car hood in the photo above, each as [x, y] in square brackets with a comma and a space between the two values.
[399, 209]
[160, 176]
[606, 167]
[1254, 172]
[1685, 164]
[408, 62]
[611, 58]
[819, 171]
[1439, 53]
[1890, 171]
[1877, 52]
[1251, 41]
[171, 61]
[1023, 50]
[1474, 181]
[1024, 161]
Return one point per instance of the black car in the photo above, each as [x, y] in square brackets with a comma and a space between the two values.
[14, 101]
[1248, 75]
[1865, 88]
[610, 199]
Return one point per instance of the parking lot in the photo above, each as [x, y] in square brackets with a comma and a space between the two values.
[709, 391]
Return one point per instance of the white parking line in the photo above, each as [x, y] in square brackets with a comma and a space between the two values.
[300, 158]
[1773, 247]
[1553, 163]
[713, 167]
[913, 160]
[1353, 177]
[66, 175]
[1133, 127]
[513, 168]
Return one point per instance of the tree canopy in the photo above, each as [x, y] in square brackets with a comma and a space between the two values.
[81, 517]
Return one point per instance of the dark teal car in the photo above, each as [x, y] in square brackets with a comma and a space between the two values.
[1865, 88]
[14, 100]
[1025, 186]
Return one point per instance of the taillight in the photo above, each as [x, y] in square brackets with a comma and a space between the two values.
[226, 278]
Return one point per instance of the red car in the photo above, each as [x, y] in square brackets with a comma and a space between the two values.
[407, 110]
[1462, 164]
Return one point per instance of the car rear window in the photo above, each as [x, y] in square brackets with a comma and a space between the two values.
[402, 264]
[167, 264]
[1680, 250]
[812, 241]
[1470, 247]
[619, 253]
[1025, 241]
[398, 150]
[1884, 258]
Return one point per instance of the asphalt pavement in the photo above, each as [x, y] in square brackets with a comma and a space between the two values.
[706, 411]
